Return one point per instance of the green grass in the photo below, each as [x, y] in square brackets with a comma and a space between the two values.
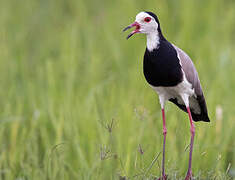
[74, 103]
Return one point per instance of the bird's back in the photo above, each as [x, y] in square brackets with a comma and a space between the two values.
[170, 71]
[192, 77]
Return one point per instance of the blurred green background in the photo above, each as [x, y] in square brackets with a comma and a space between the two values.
[74, 103]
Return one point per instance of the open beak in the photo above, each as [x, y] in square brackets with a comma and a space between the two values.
[137, 29]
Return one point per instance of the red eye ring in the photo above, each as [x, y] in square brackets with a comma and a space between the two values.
[147, 19]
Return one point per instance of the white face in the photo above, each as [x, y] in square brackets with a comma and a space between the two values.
[147, 23]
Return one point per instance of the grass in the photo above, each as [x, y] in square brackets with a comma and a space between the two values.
[74, 103]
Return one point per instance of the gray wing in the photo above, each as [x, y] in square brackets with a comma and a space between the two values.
[192, 77]
[189, 70]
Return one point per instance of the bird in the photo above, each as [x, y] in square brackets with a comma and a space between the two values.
[172, 75]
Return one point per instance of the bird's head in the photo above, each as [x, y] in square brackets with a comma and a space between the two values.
[146, 23]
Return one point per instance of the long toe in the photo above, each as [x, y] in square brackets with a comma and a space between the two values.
[189, 176]
[163, 178]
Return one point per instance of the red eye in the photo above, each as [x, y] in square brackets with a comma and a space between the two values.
[147, 19]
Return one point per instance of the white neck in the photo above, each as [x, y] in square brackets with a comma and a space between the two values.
[152, 41]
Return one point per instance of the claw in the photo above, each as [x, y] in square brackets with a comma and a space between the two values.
[163, 178]
[189, 176]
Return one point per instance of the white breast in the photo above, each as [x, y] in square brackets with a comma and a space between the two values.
[175, 91]
[183, 89]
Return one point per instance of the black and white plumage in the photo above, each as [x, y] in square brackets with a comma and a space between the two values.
[171, 73]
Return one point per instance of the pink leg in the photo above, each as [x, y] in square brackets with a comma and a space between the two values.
[164, 142]
[192, 130]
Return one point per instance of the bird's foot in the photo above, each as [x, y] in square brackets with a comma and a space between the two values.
[189, 176]
[163, 177]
